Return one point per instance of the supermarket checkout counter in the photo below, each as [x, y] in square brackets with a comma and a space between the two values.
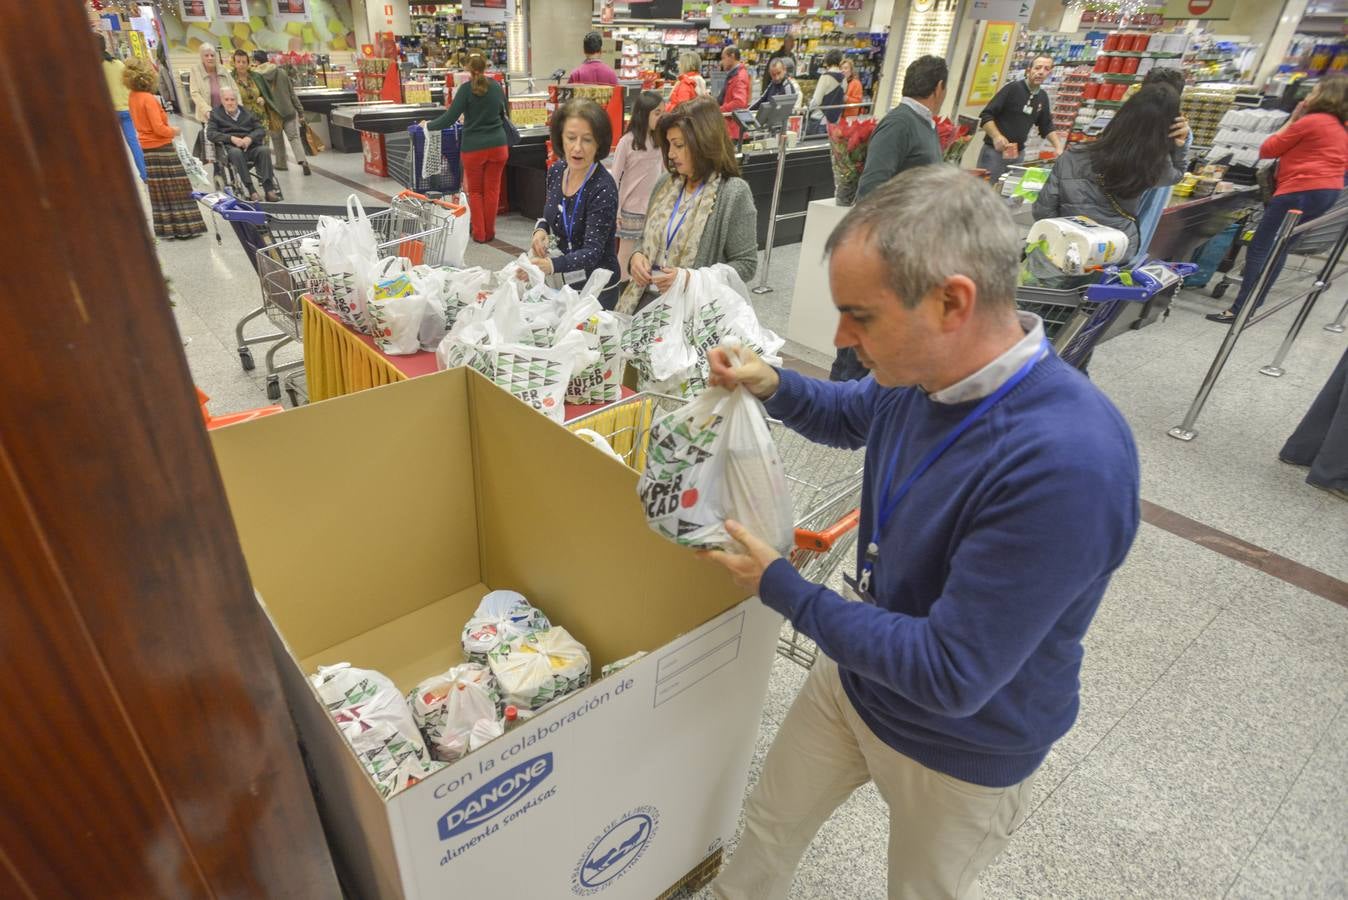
[808, 177]
[323, 101]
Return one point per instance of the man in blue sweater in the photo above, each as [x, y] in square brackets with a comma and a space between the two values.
[1000, 492]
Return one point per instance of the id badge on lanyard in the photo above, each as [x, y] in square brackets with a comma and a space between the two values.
[890, 502]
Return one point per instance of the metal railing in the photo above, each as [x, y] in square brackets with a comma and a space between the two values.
[773, 218]
[1287, 230]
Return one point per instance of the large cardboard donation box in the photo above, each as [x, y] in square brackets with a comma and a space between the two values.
[374, 523]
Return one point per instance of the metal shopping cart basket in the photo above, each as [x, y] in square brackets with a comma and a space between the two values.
[825, 491]
[287, 270]
[1077, 319]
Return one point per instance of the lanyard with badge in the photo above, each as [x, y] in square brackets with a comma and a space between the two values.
[890, 502]
[577, 203]
[672, 227]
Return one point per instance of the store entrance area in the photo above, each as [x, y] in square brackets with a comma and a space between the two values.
[677, 449]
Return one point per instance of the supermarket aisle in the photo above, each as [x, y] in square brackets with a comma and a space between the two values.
[1209, 756]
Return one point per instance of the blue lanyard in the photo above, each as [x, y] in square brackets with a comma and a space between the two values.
[671, 227]
[889, 503]
[577, 203]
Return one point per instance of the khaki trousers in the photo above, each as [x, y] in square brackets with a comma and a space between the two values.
[289, 129]
[942, 831]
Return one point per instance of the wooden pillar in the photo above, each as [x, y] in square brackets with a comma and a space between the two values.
[147, 750]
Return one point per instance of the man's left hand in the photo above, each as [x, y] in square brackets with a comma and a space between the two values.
[1179, 131]
[247, 142]
[745, 568]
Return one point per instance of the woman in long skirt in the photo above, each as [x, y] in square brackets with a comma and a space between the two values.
[176, 214]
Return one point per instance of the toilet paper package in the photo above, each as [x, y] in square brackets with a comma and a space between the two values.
[537, 669]
[1076, 243]
[449, 708]
[376, 720]
[502, 616]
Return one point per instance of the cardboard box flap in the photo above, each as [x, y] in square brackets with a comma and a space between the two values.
[355, 512]
[561, 524]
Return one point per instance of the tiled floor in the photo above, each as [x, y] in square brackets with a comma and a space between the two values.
[1210, 755]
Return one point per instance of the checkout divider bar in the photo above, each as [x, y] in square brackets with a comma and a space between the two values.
[1323, 282]
[1287, 230]
[763, 287]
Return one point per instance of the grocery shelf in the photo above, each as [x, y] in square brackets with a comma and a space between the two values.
[1140, 54]
[1119, 78]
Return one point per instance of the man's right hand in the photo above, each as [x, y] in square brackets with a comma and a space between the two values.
[999, 143]
[733, 366]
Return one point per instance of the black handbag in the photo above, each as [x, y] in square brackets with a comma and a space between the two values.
[511, 130]
[1267, 179]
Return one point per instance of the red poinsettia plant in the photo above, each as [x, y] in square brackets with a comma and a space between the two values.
[954, 138]
[849, 140]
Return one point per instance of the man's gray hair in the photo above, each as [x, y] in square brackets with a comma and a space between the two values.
[226, 89]
[933, 222]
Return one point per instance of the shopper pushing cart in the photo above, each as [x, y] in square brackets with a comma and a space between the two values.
[1000, 491]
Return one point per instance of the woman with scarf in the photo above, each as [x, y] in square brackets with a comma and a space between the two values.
[701, 212]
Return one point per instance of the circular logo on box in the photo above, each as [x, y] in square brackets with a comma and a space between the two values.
[615, 851]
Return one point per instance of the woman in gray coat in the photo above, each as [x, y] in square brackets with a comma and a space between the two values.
[1105, 180]
[701, 212]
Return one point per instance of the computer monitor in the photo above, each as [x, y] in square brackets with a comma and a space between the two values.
[773, 113]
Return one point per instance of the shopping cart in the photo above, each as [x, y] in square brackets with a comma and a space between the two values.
[1076, 319]
[825, 491]
[289, 269]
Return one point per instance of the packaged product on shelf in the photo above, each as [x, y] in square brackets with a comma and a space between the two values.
[711, 460]
[502, 616]
[376, 720]
[537, 669]
[449, 707]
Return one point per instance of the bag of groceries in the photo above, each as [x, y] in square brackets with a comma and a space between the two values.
[502, 616]
[396, 308]
[533, 671]
[448, 707]
[711, 460]
[376, 720]
[348, 249]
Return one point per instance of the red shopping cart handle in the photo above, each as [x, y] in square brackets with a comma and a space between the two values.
[823, 541]
[452, 207]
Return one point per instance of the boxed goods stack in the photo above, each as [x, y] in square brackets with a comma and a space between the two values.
[1241, 132]
[1204, 106]
[626, 783]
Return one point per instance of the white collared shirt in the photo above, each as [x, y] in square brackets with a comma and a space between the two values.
[919, 109]
[994, 374]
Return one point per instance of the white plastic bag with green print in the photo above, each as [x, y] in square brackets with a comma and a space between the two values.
[539, 668]
[501, 617]
[376, 721]
[656, 344]
[601, 381]
[711, 460]
[447, 707]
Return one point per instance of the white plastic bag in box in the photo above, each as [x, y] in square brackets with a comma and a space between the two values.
[376, 720]
[448, 708]
[502, 616]
[535, 670]
[713, 460]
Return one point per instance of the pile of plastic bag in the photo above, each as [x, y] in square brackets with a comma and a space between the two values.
[668, 340]
[546, 346]
[517, 662]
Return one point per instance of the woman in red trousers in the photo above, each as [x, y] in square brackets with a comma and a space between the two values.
[482, 146]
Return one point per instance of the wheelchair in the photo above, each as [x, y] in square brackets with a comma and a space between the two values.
[227, 179]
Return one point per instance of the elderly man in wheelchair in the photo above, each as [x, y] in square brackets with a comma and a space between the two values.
[238, 136]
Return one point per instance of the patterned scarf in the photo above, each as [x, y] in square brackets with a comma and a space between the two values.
[682, 252]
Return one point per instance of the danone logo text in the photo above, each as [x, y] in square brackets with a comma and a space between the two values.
[496, 796]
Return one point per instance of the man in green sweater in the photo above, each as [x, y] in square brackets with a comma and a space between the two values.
[904, 139]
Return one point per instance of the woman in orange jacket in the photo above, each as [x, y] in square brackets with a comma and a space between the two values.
[854, 94]
[690, 84]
